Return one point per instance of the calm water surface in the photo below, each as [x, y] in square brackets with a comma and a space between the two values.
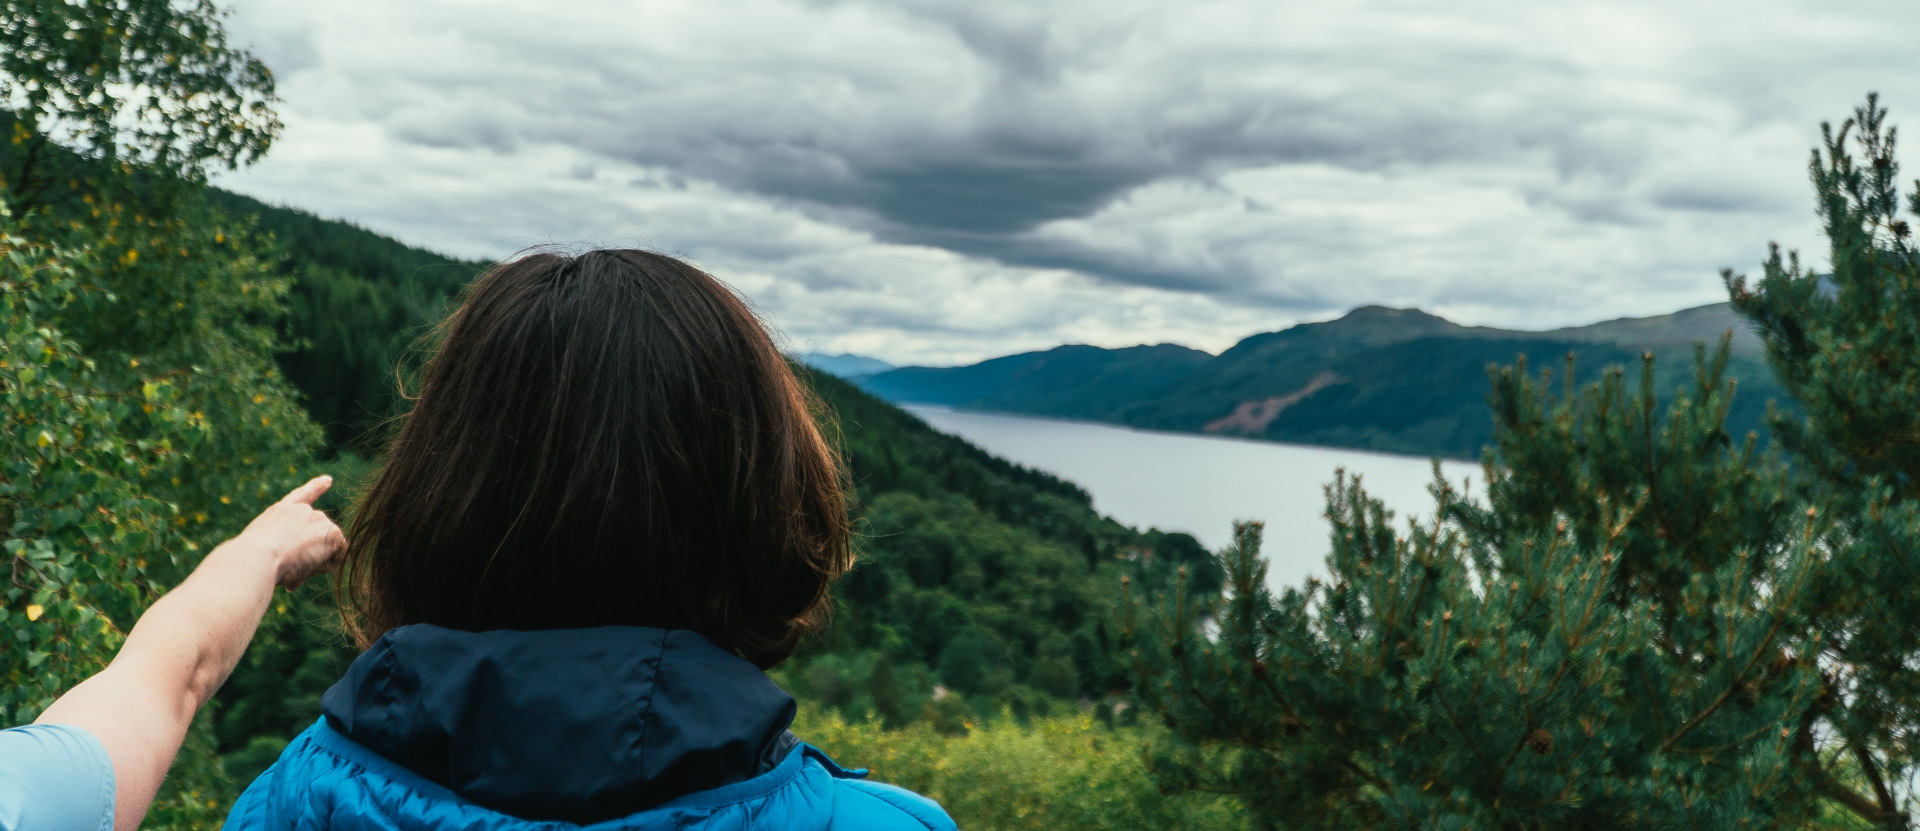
[1202, 485]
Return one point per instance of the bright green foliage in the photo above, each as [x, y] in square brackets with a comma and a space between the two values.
[145, 419]
[1059, 772]
[148, 82]
[180, 303]
[112, 477]
[180, 299]
[1644, 623]
[78, 534]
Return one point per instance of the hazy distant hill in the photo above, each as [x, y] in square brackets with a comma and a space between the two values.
[1679, 329]
[1067, 381]
[845, 365]
[1396, 380]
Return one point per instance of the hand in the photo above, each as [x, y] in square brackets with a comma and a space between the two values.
[302, 541]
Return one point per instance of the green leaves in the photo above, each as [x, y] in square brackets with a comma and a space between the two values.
[142, 421]
[1050, 773]
[59, 515]
[152, 83]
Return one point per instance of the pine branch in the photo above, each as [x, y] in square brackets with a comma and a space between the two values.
[1888, 805]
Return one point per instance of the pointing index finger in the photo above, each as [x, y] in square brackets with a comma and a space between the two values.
[307, 493]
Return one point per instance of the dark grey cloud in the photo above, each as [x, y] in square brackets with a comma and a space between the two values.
[881, 172]
[1027, 148]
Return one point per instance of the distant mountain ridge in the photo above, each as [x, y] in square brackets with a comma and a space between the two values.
[845, 365]
[1096, 380]
[1682, 329]
[1393, 380]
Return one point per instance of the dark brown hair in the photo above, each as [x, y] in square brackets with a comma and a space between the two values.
[603, 439]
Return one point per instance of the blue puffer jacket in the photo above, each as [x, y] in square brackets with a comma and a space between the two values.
[612, 728]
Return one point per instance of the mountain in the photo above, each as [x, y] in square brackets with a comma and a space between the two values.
[1391, 380]
[845, 365]
[1681, 329]
[1065, 382]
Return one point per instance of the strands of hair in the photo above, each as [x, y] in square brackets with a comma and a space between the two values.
[604, 439]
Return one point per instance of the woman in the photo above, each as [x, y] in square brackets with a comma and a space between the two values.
[609, 511]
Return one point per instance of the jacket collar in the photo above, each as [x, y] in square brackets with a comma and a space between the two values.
[571, 724]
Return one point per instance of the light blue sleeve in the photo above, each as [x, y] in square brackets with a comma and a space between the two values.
[54, 777]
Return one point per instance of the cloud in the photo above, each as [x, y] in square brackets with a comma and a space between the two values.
[953, 180]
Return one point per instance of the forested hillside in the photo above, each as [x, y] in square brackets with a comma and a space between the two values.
[360, 301]
[1394, 380]
[987, 578]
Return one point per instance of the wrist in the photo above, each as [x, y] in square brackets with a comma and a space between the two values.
[243, 552]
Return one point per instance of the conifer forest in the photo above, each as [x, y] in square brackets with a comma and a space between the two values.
[1650, 617]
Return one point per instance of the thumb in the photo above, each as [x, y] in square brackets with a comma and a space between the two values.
[312, 490]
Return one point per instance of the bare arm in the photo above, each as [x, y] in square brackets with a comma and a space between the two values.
[182, 649]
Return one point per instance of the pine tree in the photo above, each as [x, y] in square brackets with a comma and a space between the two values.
[1846, 346]
[1643, 622]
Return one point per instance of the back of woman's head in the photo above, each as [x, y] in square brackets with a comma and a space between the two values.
[603, 439]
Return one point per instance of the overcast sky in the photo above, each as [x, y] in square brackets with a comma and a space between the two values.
[940, 182]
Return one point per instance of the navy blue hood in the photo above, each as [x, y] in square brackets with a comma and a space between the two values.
[578, 725]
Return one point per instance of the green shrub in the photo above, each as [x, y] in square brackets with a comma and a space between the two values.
[1053, 773]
